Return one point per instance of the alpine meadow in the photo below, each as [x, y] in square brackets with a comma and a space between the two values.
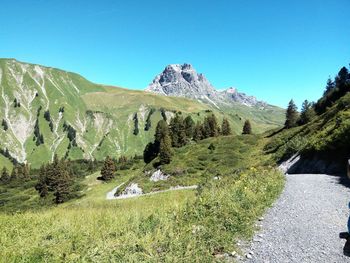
[242, 156]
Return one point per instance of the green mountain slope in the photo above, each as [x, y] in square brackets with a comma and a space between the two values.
[323, 144]
[47, 111]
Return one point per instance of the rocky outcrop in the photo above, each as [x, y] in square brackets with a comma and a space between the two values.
[158, 176]
[184, 81]
[131, 190]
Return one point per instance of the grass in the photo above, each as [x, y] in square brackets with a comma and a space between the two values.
[326, 135]
[177, 226]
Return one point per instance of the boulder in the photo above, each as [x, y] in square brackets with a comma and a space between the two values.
[158, 176]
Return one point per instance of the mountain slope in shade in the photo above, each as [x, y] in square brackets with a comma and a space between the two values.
[184, 81]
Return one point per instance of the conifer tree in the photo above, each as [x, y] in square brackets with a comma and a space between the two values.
[189, 127]
[162, 112]
[5, 177]
[307, 112]
[136, 125]
[108, 169]
[55, 177]
[329, 87]
[177, 131]
[247, 128]
[62, 183]
[148, 120]
[291, 115]
[211, 128]
[161, 130]
[206, 130]
[14, 173]
[4, 125]
[197, 135]
[225, 127]
[165, 150]
[150, 152]
[41, 186]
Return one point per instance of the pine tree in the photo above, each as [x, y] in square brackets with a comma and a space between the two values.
[150, 152]
[225, 127]
[342, 78]
[161, 130]
[47, 116]
[136, 125]
[14, 173]
[62, 188]
[162, 112]
[41, 186]
[165, 150]
[55, 177]
[329, 87]
[189, 127]
[247, 128]
[4, 125]
[210, 127]
[307, 113]
[177, 131]
[5, 177]
[197, 135]
[291, 115]
[206, 128]
[108, 169]
[148, 124]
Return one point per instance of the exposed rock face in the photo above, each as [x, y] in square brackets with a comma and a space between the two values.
[158, 176]
[184, 81]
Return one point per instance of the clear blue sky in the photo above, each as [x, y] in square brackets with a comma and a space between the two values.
[275, 50]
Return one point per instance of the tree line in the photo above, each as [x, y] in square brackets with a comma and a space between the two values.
[19, 171]
[335, 89]
[181, 131]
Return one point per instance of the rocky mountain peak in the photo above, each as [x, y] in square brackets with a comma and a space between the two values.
[182, 80]
[231, 90]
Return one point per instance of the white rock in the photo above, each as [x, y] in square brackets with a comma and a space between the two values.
[158, 176]
[132, 190]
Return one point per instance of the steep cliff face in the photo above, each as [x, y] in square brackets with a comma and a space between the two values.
[184, 81]
[46, 111]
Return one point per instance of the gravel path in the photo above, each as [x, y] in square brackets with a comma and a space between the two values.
[304, 224]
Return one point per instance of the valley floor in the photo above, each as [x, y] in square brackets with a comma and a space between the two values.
[305, 222]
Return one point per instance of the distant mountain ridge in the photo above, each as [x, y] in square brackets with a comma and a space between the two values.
[184, 81]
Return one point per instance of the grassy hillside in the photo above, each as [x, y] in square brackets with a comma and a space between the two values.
[177, 226]
[87, 120]
[326, 137]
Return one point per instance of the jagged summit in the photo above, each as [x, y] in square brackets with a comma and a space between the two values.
[184, 81]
